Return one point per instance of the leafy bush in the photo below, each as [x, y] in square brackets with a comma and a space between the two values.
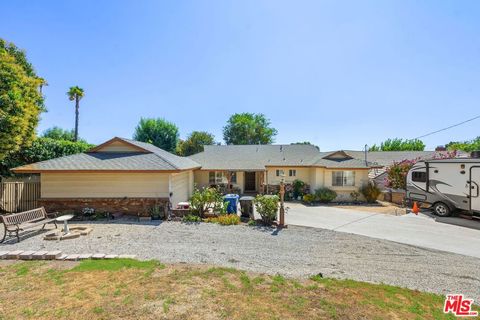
[252, 222]
[224, 219]
[267, 207]
[370, 191]
[355, 195]
[397, 173]
[325, 194]
[298, 186]
[205, 199]
[191, 218]
[41, 149]
[309, 198]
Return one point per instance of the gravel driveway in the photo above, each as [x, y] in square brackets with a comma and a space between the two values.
[293, 252]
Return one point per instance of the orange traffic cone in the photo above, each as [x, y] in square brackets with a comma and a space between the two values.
[415, 208]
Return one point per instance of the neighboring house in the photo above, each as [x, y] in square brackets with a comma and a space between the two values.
[120, 175]
[260, 168]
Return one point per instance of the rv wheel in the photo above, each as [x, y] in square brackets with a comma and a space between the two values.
[441, 209]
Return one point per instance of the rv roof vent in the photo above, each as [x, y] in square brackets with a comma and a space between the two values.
[475, 154]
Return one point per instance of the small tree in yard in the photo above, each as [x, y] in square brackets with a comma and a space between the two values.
[397, 173]
[205, 199]
[267, 207]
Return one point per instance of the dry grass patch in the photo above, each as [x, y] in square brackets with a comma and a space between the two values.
[131, 289]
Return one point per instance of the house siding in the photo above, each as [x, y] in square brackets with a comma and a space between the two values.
[104, 185]
[118, 146]
[303, 173]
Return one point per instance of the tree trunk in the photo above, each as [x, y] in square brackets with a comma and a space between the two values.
[76, 118]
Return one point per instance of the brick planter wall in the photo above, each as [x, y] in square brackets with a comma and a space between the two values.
[129, 206]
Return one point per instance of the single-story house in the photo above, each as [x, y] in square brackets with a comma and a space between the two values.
[260, 168]
[120, 175]
[123, 175]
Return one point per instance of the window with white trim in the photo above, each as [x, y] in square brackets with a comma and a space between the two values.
[292, 173]
[216, 177]
[343, 178]
[279, 173]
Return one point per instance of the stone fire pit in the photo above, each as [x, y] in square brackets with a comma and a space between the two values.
[75, 232]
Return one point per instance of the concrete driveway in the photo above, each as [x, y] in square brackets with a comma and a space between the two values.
[422, 230]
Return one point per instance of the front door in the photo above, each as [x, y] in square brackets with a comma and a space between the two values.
[474, 189]
[250, 184]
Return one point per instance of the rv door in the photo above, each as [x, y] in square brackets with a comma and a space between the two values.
[474, 189]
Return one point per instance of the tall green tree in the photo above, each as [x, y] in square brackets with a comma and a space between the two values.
[41, 149]
[398, 144]
[159, 132]
[194, 143]
[307, 143]
[58, 133]
[76, 94]
[20, 99]
[467, 146]
[248, 128]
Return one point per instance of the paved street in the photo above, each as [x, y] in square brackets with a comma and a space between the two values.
[421, 230]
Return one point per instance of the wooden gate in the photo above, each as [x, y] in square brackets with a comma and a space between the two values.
[19, 196]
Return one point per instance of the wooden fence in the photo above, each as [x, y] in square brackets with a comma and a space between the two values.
[19, 196]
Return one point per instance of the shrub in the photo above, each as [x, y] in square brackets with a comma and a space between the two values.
[355, 196]
[225, 219]
[191, 218]
[252, 222]
[267, 207]
[205, 199]
[325, 194]
[370, 191]
[397, 173]
[309, 198]
[298, 186]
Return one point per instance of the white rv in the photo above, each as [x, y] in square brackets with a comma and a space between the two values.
[446, 185]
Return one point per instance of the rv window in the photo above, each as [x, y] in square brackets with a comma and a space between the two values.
[419, 176]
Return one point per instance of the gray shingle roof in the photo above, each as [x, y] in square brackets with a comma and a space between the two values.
[153, 159]
[257, 157]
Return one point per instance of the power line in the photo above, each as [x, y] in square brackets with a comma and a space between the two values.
[452, 126]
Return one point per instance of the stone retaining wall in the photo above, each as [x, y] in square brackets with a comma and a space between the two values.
[128, 206]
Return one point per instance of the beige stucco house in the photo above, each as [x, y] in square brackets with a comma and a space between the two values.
[120, 175]
[260, 168]
[131, 176]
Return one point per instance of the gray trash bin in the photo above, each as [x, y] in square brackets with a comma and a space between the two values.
[246, 206]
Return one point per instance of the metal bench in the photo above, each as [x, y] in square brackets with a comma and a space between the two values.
[16, 222]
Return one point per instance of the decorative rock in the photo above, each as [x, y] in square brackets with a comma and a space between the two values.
[13, 254]
[39, 255]
[52, 255]
[98, 256]
[85, 256]
[72, 257]
[127, 256]
[3, 254]
[111, 256]
[26, 255]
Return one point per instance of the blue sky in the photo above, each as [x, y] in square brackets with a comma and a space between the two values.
[340, 74]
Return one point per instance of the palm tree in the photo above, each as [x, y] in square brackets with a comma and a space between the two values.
[76, 93]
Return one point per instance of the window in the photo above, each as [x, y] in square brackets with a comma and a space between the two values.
[343, 178]
[280, 173]
[216, 177]
[292, 173]
[419, 176]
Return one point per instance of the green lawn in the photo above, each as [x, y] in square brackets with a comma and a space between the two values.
[132, 289]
